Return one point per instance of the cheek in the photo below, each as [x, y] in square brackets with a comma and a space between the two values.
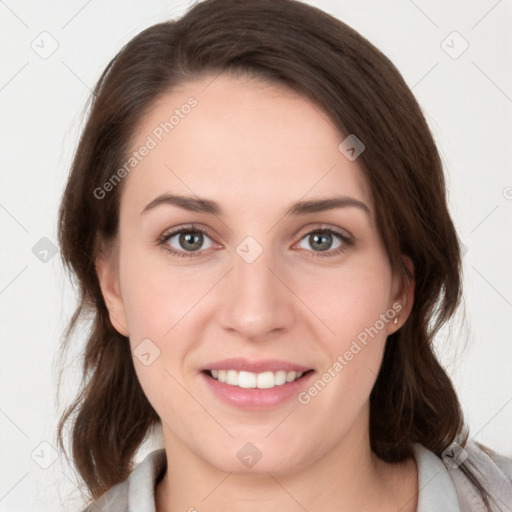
[156, 296]
[348, 299]
[159, 308]
[354, 303]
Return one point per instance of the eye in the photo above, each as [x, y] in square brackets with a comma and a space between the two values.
[190, 241]
[186, 242]
[321, 242]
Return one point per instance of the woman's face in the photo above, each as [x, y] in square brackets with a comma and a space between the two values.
[248, 246]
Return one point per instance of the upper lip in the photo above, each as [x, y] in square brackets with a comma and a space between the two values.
[255, 366]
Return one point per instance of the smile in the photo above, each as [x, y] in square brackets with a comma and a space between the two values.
[263, 380]
[255, 384]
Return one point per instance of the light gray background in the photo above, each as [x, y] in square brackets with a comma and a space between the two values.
[467, 101]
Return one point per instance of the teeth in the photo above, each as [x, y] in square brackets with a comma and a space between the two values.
[244, 380]
[233, 378]
[264, 380]
[280, 378]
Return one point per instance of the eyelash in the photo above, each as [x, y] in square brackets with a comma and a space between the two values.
[162, 241]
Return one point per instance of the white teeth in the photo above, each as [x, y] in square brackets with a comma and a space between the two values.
[280, 378]
[245, 379]
[232, 377]
[264, 380]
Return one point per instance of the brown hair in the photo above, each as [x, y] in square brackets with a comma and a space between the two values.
[328, 62]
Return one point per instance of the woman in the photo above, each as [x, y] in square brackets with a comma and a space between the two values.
[256, 216]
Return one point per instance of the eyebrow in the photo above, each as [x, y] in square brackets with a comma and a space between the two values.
[197, 204]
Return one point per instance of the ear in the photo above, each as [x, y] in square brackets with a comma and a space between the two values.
[108, 276]
[403, 298]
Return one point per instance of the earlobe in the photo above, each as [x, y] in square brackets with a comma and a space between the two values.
[109, 282]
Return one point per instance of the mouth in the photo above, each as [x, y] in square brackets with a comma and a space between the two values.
[255, 384]
[251, 380]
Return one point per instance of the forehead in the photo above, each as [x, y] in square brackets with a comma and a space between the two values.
[243, 142]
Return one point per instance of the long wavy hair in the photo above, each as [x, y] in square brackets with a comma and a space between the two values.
[362, 92]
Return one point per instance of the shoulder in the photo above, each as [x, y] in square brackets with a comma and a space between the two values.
[114, 500]
[503, 463]
[492, 470]
[137, 492]
[446, 483]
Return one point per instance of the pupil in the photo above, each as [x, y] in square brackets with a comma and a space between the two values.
[324, 239]
[190, 238]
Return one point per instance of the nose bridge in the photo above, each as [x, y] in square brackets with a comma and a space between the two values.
[251, 273]
[257, 302]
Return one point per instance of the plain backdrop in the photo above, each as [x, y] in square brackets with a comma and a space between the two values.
[454, 55]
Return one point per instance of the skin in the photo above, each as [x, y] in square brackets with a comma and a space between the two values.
[256, 148]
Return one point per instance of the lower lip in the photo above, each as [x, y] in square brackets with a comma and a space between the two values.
[255, 398]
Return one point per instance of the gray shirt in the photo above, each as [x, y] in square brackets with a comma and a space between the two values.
[442, 487]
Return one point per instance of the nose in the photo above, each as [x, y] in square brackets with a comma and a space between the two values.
[257, 300]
